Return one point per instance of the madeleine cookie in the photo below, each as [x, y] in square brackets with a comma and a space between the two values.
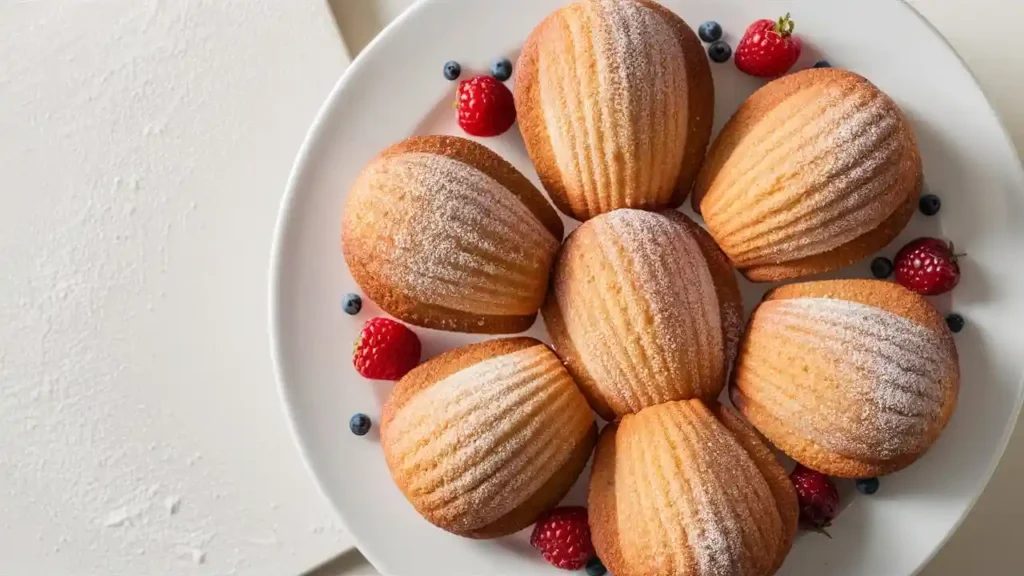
[815, 171]
[852, 378]
[615, 102]
[484, 438]
[673, 493]
[643, 309]
[443, 233]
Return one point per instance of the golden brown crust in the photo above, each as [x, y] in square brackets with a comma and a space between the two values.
[361, 242]
[773, 472]
[855, 421]
[444, 365]
[674, 493]
[604, 519]
[427, 457]
[871, 147]
[617, 320]
[544, 499]
[888, 296]
[730, 300]
[530, 111]
[850, 253]
[485, 160]
[566, 349]
[699, 103]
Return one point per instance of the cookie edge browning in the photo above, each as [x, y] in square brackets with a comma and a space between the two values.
[440, 317]
[700, 109]
[601, 494]
[853, 251]
[440, 367]
[887, 296]
[727, 289]
[773, 472]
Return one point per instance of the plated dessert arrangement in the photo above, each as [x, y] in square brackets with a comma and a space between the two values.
[713, 435]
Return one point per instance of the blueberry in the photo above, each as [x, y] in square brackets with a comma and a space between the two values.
[452, 69]
[720, 51]
[929, 204]
[501, 69]
[595, 567]
[867, 486]
[881, 267]
[710, 31]
[822, 64]
[359, 424]
[955, 322]
[352, 304]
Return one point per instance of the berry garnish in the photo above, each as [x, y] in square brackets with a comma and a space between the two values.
[563, 537]
[955, 322]
[452, 70]
[867, 486]
[929, 204]
[501, 69]
[710, 31]
[881, 267]
[928, 266]
[386, 350]
[720, 51]
[486, 107]
[817, 496]
[595, 567]
[359, 424]
[768, 48]
[352, 304]
[822, 64]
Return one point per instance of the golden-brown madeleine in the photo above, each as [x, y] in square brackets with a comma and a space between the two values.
[773, 472]
[643, 309]
[853, 378]
[441, 232]
[615, 102]
[673, 493]
[815, 171]
[484, 438]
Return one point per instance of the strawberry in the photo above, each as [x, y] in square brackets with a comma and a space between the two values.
[818, 498]
[768, 48]
[563, 537]
[486, 107]
[927, 266]
[386, 350]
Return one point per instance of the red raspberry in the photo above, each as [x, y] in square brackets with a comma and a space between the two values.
[486, 106]
[768, 48]
[386, 350]
[563, 537]
[818, 497]
[927, 266]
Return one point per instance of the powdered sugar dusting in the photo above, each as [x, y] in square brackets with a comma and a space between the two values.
[465, 242]
[618, 136]
[892, 368]
[816, 172]
[480, 442]
[640, 306]
[690, 494]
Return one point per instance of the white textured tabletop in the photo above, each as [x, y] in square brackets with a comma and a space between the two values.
[986, 33]
[144, 149]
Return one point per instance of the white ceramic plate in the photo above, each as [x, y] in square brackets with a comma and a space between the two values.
[395, 89]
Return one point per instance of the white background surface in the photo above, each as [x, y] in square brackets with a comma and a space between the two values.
[144, 147]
